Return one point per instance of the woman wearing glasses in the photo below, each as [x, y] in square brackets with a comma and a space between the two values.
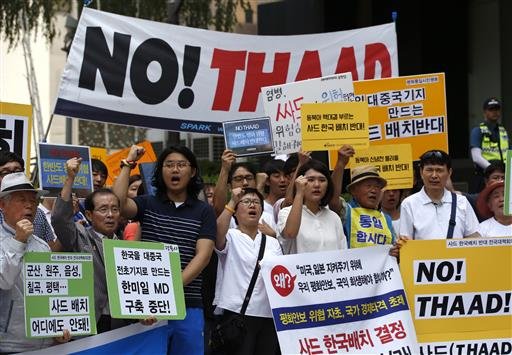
[309, 221]
[238, 249]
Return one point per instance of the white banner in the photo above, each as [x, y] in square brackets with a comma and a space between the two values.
[143, 73]
[349, 301]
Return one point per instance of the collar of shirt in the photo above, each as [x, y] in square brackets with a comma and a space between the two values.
[321, 210]
[166, 199]
[8, 229]
[45, 210]
[425, 199]
[103, 236]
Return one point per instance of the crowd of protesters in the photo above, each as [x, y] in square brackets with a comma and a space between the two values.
[294, 206]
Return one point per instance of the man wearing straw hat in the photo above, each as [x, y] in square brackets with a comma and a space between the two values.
[363, 223]
[18, 202]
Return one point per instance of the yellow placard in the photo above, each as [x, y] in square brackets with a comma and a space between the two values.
[99, 153]
[394, 163]
[114, 161]
[407, 110]
[459, 289]
[16, 124]
[329, 126]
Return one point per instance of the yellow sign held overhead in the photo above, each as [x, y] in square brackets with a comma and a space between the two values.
[329, 126]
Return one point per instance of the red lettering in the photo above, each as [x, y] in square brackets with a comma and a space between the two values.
[376, 52]
[309, 66]
[290, 107]
[228, 62]
[255, 78]
[347, 62]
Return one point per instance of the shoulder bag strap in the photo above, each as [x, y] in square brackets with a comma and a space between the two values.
[254, 274]
[451, 223]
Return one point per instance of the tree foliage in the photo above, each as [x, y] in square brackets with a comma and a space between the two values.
[40, 14]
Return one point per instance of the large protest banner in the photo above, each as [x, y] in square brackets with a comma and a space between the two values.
[137, 72]
[52, 168]
[335, 302]
[460, 293]
[282, 104]
[144, 279]
[59, 294]
[15, 130]
[129, 340]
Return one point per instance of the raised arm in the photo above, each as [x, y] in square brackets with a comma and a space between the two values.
[120, 188]
[221, 188]
[344, 154]
[292, 226]
[225, 218]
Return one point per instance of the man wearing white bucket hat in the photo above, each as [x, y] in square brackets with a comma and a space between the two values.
[18, 202]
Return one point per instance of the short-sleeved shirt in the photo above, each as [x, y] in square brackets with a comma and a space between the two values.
[319, 231]
[161, 221]
[237, 260]
[492, 228]
[420, 218]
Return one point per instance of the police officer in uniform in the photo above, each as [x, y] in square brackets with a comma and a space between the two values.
[489, 141]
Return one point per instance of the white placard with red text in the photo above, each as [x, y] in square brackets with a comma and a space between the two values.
[349, 301]
[143, 73]
[282, 104]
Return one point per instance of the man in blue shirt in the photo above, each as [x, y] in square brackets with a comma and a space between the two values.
[176, 216]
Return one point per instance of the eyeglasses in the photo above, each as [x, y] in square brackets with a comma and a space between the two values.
[248, 202]
[4, 173]
[176, 164]
[105, 210]
[241, 178]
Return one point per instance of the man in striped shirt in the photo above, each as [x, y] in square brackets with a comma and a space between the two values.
[175, 216]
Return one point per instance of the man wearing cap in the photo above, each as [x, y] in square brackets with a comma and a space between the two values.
[434, 212]
[490, 205]
[18, 202]
[364, 225]
[489, 141]
[12, 163]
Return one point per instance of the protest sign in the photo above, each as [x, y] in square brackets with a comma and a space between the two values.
[59, 294]
[113, 161]
[508, 184]
[460, 301]
[136, 72]
[52, 167]
[248, 137]
[342, 301]
[15, 130]
[331, 125]
[282, 104]
[143, 280]
[394, 163]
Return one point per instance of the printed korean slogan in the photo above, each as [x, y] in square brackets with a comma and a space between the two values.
[52, 167]
[460, 294]
[331, 125]
[282, 104]
[143, 279]
[248, 137]
[59, 294]
[394, 163]
[137, 72]
[407, 110]
[16, 129]
[332, 302]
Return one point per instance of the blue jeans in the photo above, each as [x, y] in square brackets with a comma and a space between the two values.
[186, 336]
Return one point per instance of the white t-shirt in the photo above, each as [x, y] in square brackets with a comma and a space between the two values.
[492, 228]
[237, 260]
[318, 232]
[421, 219]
